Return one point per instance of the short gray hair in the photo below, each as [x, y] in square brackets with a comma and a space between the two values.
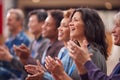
[19, 13]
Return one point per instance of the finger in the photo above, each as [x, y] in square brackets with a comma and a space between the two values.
[50, 58]
[47, 67]
[19, 49]
[85, 43]
[6, 47]
[29, 77]
[58, 60]
[30, 68]
[72, 46]
[72, 55]
[36, 76]
[23, 46]
[14, 47]
[69, 45]
[1, 48]
[47, 60]
[16, 50]
[52, 61]
[91, 54]
[38, 63]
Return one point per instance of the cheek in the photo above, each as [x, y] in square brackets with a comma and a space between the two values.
[80, 30]
[119, 31]
[67, 33]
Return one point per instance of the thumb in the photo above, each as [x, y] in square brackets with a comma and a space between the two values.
[5, 47]
[38, 63]
[23, 46]
[91, 54]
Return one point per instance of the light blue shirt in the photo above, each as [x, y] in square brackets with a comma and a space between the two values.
[68, 64]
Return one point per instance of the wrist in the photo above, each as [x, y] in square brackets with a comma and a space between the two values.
[9, 58]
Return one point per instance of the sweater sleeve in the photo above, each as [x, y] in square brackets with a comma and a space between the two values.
[94, 73]
[84, 77]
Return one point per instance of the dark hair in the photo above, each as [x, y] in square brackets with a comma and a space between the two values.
[57, 15]
[40, 13]
[94, 29]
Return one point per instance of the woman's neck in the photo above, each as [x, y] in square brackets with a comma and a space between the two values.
[80, 40]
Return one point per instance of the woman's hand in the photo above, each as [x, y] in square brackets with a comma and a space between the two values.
[54, 66]
[56, 69]
[79, 54]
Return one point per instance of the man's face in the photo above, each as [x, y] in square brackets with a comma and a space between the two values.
[49, 29]
[11, 21]
[116, 32]
[35, 25]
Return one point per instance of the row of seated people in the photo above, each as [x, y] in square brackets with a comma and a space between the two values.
[47, 58]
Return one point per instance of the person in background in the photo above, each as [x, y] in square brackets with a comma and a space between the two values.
[9, 68]
[39, 44]
[49, 30]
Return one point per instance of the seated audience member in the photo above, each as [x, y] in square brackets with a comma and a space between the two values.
[10, 66]
[93, 72]
[39, 44]
[50, 31]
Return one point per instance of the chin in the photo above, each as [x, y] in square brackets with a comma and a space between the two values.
[60, 39]
[44, 36]
[117, 43]
[72, 37]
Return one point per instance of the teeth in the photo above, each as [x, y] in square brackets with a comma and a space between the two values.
[72, 29]
[60, 34]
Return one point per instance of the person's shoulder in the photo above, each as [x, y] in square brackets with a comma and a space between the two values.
[93, 49]
[59, 43]
[45, 40]
[95, 52]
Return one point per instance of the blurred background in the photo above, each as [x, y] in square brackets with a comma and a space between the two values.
[106, 8]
